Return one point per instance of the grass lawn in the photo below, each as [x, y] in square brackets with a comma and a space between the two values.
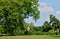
[30, 37]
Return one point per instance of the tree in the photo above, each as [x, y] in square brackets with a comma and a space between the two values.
[31, 26]
[46, 27]
[13, 13]
[55, 23]
[37, 28]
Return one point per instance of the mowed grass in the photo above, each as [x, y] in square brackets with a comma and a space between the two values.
[30, 37]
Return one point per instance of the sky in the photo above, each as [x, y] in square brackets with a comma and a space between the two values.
[46, 7]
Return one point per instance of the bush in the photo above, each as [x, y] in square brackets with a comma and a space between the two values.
[51, 32]
[36, 33]
[26, 32]
[21, 32]
[41, 33]
[30, 32]
[58, 33]
[44, 33]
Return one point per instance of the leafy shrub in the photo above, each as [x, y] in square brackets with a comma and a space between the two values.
[58, 33]
[35, 33]
[21, 32]
[30, 32]
[38, 33]
[51, 32]
[42, 33]
[27, 32]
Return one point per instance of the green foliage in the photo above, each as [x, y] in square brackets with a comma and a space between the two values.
[35, 33]
[13, 13]
[1, 29]
[37, 28]
[46, 27]
[58, 33]
[21, 32]
[42, 33]
[51, 32]
[55, 23]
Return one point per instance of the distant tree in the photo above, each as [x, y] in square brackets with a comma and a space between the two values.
[37, 28]
[46, 26]
[55, 23]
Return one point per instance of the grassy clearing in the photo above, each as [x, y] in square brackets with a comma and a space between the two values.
[30, 37]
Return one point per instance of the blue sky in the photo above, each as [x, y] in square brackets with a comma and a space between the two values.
[46, 7]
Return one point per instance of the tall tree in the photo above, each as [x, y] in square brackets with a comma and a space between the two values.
[54, 22]
[13, 13]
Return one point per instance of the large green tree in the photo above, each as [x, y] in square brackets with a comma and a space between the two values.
[13, 13]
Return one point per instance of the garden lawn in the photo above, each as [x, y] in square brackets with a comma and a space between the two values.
[31, 37]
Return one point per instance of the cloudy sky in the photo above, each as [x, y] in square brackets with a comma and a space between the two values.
[46, 8]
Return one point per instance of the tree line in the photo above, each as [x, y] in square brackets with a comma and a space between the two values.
[51, 27]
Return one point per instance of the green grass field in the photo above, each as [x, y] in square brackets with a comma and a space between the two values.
[30, 37]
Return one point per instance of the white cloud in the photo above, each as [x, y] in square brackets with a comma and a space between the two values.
[42, 4]
[58, 12]
[45, 8]
[29, 20]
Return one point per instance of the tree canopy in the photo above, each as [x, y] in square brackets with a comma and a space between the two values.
[13, 13]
